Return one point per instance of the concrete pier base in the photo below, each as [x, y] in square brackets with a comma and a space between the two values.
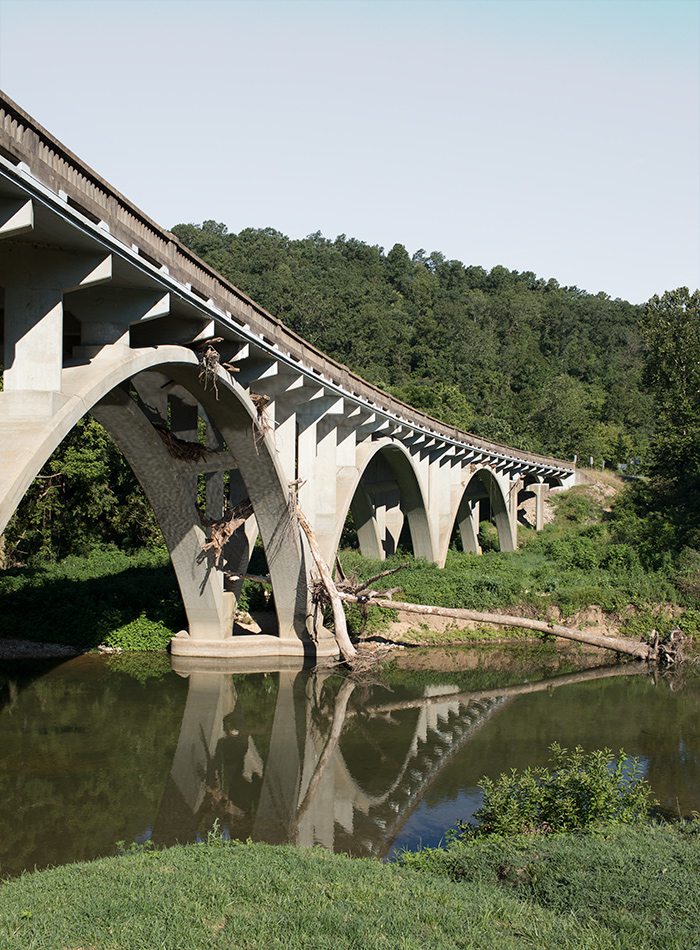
[255, 645]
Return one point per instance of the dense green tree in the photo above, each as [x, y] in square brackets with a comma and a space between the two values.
[510, 344]
[86, 494]
[671, 332]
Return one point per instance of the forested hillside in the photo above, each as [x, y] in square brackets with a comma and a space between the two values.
[508, 355]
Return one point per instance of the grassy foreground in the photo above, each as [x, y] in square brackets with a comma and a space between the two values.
[630, 888]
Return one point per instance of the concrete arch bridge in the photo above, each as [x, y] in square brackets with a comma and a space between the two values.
[105, 312]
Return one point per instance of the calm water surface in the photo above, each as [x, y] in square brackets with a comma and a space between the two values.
[99, 750]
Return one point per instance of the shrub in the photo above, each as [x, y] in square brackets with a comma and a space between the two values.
[580, 791]
[140, 634]
[620, 558]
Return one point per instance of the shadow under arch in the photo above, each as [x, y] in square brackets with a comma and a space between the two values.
[385, 491]
[99, 387]
[482, 486]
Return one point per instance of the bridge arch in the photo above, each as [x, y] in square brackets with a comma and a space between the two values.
[482, 486]
[383, 490]
[100, 387]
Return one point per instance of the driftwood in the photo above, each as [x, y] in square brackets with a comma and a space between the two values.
[666, 652]
[180, 448]
[347, 650]
[255, 578]
[221, 531]
[350, 588]
[641, 651]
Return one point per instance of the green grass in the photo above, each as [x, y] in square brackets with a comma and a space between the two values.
[245, 895]
[638, 883]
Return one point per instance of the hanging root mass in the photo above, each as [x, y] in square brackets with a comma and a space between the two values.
[209, 363]
[221, 531]
[261, 426]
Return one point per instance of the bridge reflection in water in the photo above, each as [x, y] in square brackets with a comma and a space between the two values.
[315, 758]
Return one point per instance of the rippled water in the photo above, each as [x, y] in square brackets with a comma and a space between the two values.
[94, 751]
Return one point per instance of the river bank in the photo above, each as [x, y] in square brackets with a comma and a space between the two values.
[622, 887]
[571, 572]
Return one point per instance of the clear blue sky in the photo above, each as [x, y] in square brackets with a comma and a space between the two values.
[561, 137]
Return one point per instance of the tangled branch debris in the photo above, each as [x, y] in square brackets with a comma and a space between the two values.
[667, 651]
[180, 448]
[221, 531]
[209, 363]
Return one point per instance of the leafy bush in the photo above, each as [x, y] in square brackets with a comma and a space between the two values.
[488, 537]
[140, 634]
[580, 791]
[620, 558]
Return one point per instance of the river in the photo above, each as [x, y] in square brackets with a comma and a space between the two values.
[99, 750]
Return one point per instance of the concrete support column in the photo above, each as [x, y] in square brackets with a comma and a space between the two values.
[440, 502]
[35, 281]
[468, 521]
[184, 413]
[325, 487]
[512, 489]
[209, 608]
[540, 492]
[33, 352]
[366, 525]
[284, 423]
[214, 481]
[306, 463]
[390, 520]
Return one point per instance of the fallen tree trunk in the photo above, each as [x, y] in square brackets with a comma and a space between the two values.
[641, 651]
[347, 650]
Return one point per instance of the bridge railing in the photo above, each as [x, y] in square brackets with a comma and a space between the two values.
[23, 140]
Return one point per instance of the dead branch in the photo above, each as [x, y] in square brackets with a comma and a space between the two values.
[254, 578]
[368, 583]
[181, 449]
[221, 531]
[342, 636]
[642, 651]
